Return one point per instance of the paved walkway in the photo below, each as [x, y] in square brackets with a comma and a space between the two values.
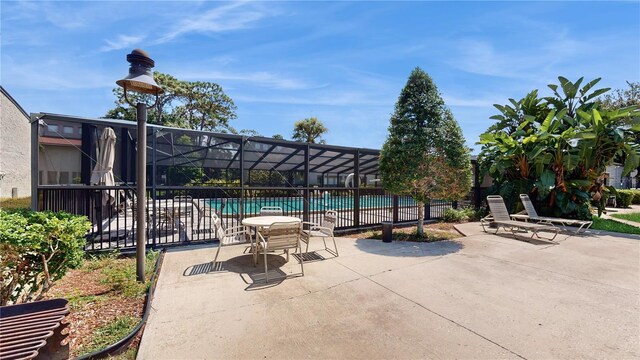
[481, 296]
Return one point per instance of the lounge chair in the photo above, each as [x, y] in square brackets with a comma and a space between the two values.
[531, 214]
[501, 218]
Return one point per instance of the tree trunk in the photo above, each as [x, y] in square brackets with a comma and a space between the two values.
[419, 229]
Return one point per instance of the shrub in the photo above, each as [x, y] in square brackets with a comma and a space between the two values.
[37, 248]
[461, 215]
[636, 197]
[624, 198]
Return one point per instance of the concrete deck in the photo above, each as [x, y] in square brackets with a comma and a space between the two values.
[482, 296]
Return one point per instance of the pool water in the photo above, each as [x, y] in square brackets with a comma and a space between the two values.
[296, 204]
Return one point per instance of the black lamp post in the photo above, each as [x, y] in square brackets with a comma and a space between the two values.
[140, 80]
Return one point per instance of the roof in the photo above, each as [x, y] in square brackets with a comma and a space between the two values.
[176, 146]
[15, 103]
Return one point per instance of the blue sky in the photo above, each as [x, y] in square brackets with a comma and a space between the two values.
[343, 62]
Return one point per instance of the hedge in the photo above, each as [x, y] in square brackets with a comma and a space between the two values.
[624, 198]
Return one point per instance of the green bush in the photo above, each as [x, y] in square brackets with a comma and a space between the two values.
[36, 249]
[624, 198]
[461, 215]
[636, 197]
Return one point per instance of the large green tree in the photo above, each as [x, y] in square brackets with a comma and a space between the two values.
[557, 148]
[185, 104]
[425, 155]
[309, 130]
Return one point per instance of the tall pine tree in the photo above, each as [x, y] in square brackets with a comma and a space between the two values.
[425, 155]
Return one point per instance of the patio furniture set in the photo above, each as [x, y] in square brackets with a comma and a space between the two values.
[272, 231]
[501, 218]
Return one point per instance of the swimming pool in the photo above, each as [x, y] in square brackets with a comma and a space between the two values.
[296, 204]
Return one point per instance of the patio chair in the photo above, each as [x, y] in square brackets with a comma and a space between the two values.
[232, 236]
[271, 211]
[282, 236]
[501, 218]
[323, 230]
[531, 214]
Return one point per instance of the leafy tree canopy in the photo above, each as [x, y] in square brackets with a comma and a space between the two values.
[557, 148]
[185, 104]
[309, 130]
[425, 155]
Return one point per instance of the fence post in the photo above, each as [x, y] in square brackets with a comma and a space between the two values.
[306, 194]
[395, 208]
[154, 159]
[356, 188]
[35, 141]
[241, 210]
[454, 204]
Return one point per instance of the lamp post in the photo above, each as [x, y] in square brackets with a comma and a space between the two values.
[140, 80]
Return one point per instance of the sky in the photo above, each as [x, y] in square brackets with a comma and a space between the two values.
[342, 62]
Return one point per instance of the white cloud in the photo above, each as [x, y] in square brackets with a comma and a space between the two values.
[123, 41]
[259, 78]
[233, 16]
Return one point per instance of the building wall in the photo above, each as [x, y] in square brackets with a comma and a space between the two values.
[59, 165]
[15, 147]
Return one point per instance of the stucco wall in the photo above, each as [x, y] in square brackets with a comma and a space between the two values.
[59, 165]
[15, 151]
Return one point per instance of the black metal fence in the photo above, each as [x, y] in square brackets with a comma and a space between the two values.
[181, 215]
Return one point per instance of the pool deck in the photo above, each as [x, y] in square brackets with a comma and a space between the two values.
[481, 296]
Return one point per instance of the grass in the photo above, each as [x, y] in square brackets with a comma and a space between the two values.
[635, 217]
[614, 226]
[105, 301]
[79, 301]
[111, 333]
[15, 203]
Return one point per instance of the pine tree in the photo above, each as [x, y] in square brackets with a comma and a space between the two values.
[425, 155]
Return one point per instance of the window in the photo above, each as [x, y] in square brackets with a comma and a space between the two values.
[64, 178]
[52, 177]
[67, 129]
[52, 128]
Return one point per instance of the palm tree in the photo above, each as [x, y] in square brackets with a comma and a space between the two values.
[309, 130]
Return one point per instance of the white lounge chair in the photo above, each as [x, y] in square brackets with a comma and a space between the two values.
[502, 219]
[531, 214]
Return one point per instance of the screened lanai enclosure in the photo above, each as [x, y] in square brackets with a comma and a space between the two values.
[199, 182]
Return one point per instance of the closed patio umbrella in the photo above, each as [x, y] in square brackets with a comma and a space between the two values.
[103, 171]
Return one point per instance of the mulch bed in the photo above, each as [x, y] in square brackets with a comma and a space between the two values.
[87, 316]
[437, 227]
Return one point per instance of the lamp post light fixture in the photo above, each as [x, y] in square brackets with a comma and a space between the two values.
[140, 80]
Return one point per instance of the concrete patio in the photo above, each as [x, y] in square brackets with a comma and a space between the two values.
[480, 296]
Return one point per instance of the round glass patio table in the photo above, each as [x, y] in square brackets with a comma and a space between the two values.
[264, 222]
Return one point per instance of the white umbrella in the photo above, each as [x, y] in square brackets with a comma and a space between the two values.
[103, 171]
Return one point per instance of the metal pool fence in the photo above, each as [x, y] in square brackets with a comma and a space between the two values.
[181, 215]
